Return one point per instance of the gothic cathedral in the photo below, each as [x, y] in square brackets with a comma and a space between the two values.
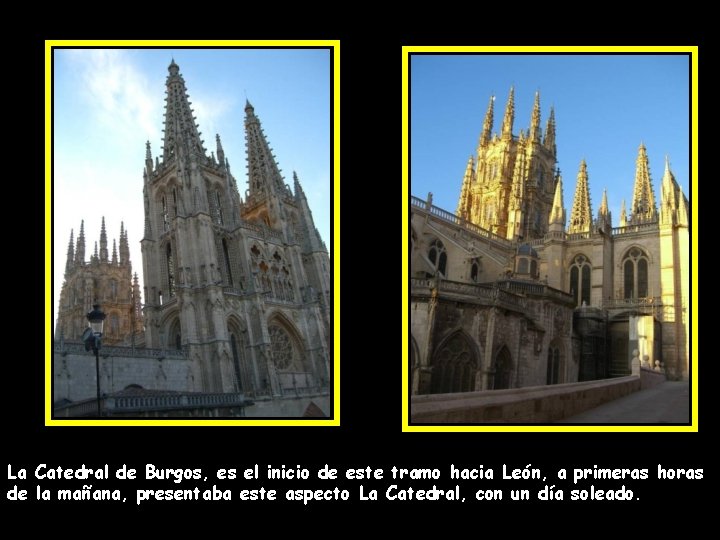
[504, 295]
[237, 286]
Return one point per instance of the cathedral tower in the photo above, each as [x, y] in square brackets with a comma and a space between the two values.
[242, 285]
[104, 280]
[510, 189]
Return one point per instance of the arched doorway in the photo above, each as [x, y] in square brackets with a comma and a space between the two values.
[454, 365]
[503, 370]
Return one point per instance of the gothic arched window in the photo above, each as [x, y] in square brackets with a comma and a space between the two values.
[454, 366]
[438, 256]
[226, 256]
[475, 271]
[580, 282]
[635, 274]
[166, 222]
[170, 270]
[553, 365]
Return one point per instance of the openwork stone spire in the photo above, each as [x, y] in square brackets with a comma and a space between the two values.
[487, 124]
[263, 172]
[103, 242]
[463, 209]
[80, 246]
[70, 253]
[509, 117]
[180, 128]
[581, 215]
[549, 141]
[643, 203]
[534, 135]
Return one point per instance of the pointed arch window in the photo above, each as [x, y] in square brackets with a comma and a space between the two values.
[580, 280]
[475, 271]
[236, 361]
[166, 222]
[635, 274]
[503, 370]
[226, 256]
[438, 256]
[169, 259]
[553, 366]
[454, 367]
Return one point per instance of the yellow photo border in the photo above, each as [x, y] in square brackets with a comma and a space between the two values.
[406, 52]
[334, 45]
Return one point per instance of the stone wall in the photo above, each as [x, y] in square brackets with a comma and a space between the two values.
[74, 374]
[287, 406]
[543, 404]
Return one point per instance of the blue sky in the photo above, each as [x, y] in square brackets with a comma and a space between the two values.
[605, 106]
[107, 103]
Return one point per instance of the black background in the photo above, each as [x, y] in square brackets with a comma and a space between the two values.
[370, 434]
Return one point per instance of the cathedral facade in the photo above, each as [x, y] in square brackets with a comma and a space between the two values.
[242, 282]
[236, 286]
[506, 292]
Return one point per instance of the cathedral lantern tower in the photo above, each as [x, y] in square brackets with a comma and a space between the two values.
[106, 280]
[510, 188]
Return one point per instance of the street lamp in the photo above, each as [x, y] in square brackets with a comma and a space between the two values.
[91, 337]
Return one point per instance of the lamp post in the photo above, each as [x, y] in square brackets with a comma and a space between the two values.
[91, 337]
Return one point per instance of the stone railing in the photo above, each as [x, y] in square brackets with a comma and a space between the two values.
[111, 405]
[449, 217]
[490, 294]
[261, 231]
[235, 292]
[535, 289]
[648, 302]
[578, 236]
[69, 347]
[640, 227]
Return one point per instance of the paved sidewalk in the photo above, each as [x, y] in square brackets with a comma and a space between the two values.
[666, 403]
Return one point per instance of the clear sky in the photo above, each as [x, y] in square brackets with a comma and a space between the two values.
[107, 103]
[605, 106]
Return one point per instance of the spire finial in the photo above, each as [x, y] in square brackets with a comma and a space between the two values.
[509, 115]
[487, 123]
[549, 141]
[80, 245]
[70, 253]
[465, 202]
[535, 135]
[643, 204]
[219, 149]
[557, 215]
[581, 215]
